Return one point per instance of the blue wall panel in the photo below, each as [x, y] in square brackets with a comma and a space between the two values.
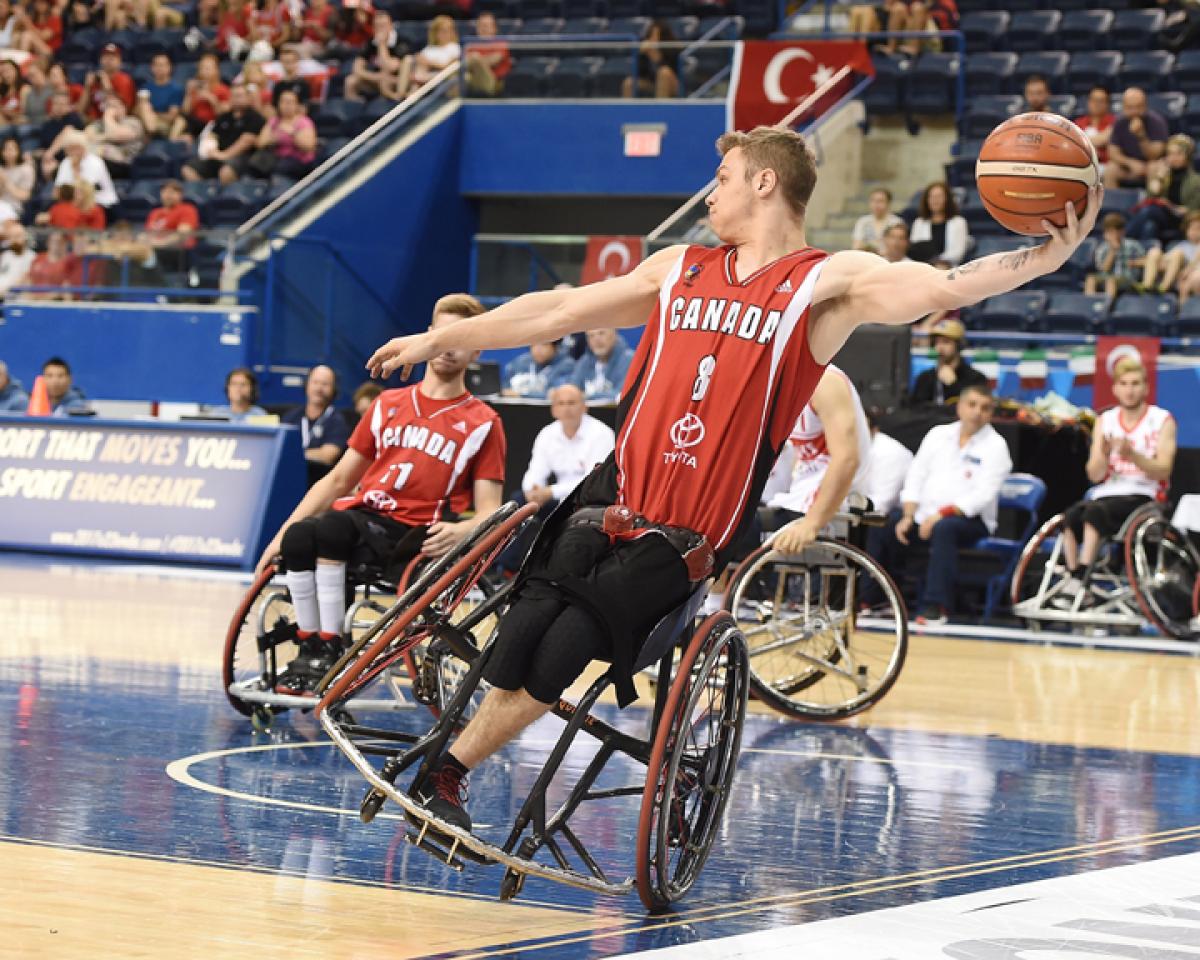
[578, 148]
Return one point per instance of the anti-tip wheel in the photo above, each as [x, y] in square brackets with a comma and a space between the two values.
[261, 718]
[511, 884]
[371, 804]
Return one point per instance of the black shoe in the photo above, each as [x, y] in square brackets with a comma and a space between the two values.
[317, 656]
[444, 794]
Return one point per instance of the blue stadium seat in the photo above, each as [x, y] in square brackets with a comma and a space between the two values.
[1016, 5]
[141, 198]
[988, 73]
[626, 8]
[529, 76]
[960, 171]
[1171, 105]
[609, 78]
[536, 8]
[155, 161]
[1016, 311]
[334, 117]
[985, 112]
[1070, 275]
[580, 8]
[1143, 313]
[1068, 5]
[885, 94]
[1084, 29]
[983, 30]
[1066, 105]
[1051, 64]
[1137, 29]
[572, 79]
[1075, 313]
[1186, 75]
[630, 26]
[584, 26]
[733, 28]
[686, 29]
[931, 83]
[1188, 322]
[1032, 30]
[1119, 200]
[979, 222]
[150, 44]
[1094, 68]
[81, 46]
[1021, 493]
[986, 246]
[1148, 69]
[235, 204]
[1191, 115]
[540, 26]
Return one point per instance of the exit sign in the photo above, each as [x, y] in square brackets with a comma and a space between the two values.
[643, 139]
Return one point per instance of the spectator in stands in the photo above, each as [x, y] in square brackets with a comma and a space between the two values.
[938, 234]
[323, 434]
[258, 87]
[64, 396]
[1098, 122]
[109, 79]
[600, 373]
[130, 260]
[287, 143]
[74, 208]
[226, 152]
[12, 93]
[441, 50]
[271, 26]
[141, 15]
[895, 243]
[535, 373]
[289, 63]
[489, 61]
[17, 178]
[161, 100]
[204, 98]
[385, 68]
[316, 27]
[241, 396]
[80, 15]
[1181, 267]
[13, 398]
[116, 137]
[62, 117]
[56, 76]
[898, 16]
[354, 27]
[364, 396]
[952, 374]
[657, 65]
[233, 27]
[1037, 94]
[79, 164]
[950, 500]
[870, 227]
[1173, 190]
[890, 460]
[171, 228]
[37, 94]
[56, 266]
[1139, 136]
[44, 32]
[1118, 260]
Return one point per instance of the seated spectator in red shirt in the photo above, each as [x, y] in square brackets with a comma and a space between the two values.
[354, 25]
[204, 97]
[287, 143]
[74, 208]
[44, 34]
[56, 267]
[487, 63]
[316, 28]
[233, 26]
[171, 228]
[110, 78]
[1098, 122]
[271, 22]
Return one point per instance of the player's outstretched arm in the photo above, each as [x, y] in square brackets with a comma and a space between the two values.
[537, 317]
[856, 287]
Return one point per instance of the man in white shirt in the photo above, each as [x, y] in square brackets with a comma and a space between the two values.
[16, 259]
[890, 460]
[564, 452]
[950, 499]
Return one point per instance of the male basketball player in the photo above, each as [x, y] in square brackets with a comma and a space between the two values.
[735, 342]
[418, 454]
[1132, 455]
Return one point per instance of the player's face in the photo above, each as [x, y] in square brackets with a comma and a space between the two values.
[568, 407]
[974, 410]
[320, 387]
[57, 380]
[1130, 390]
[450, 363]
[729, 201]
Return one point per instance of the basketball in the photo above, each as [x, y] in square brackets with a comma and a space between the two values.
[1029, 169]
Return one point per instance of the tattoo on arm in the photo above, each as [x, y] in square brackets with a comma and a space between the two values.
[961, 271]
[1005, 261]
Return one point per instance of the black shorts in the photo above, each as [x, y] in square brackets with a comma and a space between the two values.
[367, 542]
[1106, 514]
[548, 637]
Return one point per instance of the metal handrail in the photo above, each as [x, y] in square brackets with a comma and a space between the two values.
[408, 103]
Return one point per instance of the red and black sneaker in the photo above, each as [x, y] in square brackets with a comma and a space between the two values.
[317, 657]
[444, 794]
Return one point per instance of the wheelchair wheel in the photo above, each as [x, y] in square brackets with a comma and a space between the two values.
[810, 656]
[1042, 570]
[1162, 570]
[260, 641]
[692, 761]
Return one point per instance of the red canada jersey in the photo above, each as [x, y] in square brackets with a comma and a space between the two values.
[426, 455]
[720, 377]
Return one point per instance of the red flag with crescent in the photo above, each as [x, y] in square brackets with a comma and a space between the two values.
[772, 77]
[1109, 351]
[610, 257]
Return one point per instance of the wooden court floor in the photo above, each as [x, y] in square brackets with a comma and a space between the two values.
[142, 817]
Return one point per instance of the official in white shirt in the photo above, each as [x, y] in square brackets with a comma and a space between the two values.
[890, 460]
[950, 499]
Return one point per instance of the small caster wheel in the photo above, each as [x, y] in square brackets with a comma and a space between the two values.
[511, 884]
[371, 805]
[261, 719]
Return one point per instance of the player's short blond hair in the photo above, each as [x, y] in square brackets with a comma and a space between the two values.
[785, 152]
[1128, 365]
[458, 304]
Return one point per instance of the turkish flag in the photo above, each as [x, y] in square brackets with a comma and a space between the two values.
[772, 77]
[1109, 350]
[610, 257]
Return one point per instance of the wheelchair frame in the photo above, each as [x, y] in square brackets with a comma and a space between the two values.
[683, 797]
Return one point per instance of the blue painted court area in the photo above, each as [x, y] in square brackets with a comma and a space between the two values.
[825, 821]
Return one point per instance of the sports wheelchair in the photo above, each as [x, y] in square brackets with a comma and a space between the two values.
[813, 655]
[262, 639]
[690, 751]
[1147, 573]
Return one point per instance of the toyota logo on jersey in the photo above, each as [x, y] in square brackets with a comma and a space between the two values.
[687, 431]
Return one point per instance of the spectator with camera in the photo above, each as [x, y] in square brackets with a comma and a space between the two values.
[205, 97]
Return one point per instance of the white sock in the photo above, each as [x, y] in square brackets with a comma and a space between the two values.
[302, 585]
[331, 597]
